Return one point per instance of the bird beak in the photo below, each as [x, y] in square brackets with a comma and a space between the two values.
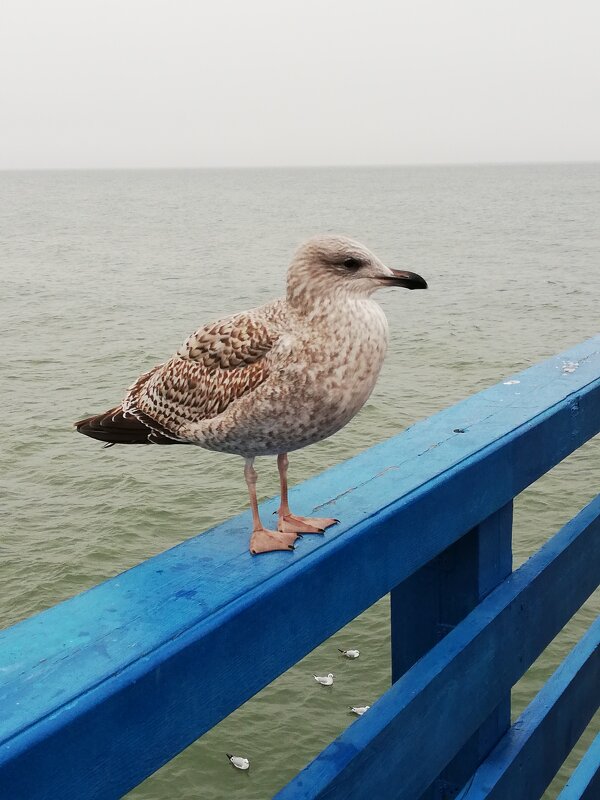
[401, 277]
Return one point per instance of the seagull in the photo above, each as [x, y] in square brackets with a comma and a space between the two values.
[272, 379]
[350, 653]
[324, 680]
[359, 710]
[238, 761]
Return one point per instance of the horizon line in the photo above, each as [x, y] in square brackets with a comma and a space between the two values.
[398, 165]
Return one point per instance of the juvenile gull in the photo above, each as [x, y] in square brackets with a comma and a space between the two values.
[272, 379]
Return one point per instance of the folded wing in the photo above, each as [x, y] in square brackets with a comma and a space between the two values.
[217, 365]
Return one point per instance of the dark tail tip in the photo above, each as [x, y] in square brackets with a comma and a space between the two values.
[119, 427]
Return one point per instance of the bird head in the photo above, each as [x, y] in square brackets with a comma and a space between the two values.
[327, 266]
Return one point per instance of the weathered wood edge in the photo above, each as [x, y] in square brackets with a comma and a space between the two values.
[584, 783]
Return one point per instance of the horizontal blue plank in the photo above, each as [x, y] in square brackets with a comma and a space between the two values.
[411, 733]
[115, 680]
[584, 783]
[531, 753]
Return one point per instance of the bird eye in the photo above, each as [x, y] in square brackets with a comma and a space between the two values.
[352, 263]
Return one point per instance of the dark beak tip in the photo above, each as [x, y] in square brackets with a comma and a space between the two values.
[409, 280]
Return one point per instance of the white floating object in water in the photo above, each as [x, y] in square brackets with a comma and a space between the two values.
[359, 710]
[238, 761]
[350, 653]
[325, 680]
[511, 383]
[569, 366]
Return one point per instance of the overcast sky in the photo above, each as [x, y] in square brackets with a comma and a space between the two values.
[190, 83]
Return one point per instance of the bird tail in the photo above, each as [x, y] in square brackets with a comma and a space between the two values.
[116, 427]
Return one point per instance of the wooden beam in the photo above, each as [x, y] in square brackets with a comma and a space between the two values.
[584, 783]
[413, 731]
[530, 754]
[429, 604]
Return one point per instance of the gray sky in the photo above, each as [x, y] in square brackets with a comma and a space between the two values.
[191, 83]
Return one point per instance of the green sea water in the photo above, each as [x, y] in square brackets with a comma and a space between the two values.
[104, 274]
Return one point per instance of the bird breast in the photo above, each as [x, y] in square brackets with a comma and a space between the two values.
[344, 355]
[322, 372]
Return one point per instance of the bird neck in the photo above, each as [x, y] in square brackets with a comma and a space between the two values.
[319, 303]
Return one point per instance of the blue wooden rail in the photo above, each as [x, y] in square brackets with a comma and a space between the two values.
[100, 691]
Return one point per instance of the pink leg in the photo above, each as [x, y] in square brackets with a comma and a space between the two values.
[263, 540]
[288, 522]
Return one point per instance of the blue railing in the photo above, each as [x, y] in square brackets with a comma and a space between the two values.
[100, 691]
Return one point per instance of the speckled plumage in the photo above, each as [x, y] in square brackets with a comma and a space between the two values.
[272, 379]
[296, 380]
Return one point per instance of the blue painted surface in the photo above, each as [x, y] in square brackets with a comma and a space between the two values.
[444, 698]
[529, 756]
[429, 604]
[584, 783]
[100, 691]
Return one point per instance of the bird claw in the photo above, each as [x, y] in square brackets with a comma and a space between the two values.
[291, 523]
[264, 541]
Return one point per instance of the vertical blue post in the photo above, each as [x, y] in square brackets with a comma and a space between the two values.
[432, 602]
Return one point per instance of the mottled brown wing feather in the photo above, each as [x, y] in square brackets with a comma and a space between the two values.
[217, 365]
[237, 341]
